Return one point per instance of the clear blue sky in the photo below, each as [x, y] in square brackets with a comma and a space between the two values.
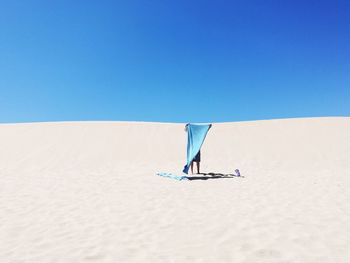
[173, 61]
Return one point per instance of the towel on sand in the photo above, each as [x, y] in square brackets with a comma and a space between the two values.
[195, 137]
[173, 176]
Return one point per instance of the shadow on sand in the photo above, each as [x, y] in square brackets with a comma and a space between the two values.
[206, 176]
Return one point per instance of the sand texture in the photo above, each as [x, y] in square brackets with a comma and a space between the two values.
[87, 192]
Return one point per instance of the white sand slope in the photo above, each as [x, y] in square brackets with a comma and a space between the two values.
[87, 192]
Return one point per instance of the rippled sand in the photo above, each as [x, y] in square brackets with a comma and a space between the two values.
[87, 192]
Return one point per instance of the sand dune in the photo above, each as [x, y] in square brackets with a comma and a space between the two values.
[87, 192]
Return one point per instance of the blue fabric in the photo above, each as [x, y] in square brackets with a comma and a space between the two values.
[195, 137]
[173, 176]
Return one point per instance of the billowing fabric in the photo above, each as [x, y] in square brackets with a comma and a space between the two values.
[195, 137]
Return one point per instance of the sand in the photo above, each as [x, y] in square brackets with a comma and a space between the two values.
[87, 192]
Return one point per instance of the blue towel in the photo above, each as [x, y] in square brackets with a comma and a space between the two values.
[196, 135]
[173, 176]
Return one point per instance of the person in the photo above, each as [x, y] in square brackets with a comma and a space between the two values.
[197, 158]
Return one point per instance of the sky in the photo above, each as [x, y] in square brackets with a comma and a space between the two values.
[173, 61]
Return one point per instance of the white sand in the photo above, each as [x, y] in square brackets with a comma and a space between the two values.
[87, 192]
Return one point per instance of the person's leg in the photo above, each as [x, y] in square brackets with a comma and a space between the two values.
[192, 167]
[198, 164]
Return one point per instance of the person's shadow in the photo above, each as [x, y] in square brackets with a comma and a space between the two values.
[206, 176]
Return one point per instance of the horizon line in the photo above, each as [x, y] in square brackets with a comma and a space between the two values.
[169, 122]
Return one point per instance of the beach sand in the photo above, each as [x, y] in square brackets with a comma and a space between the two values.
[88, 192]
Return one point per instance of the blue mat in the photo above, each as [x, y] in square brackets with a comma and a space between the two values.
[173, 176]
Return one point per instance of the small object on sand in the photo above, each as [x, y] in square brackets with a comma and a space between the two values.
[237, 172]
